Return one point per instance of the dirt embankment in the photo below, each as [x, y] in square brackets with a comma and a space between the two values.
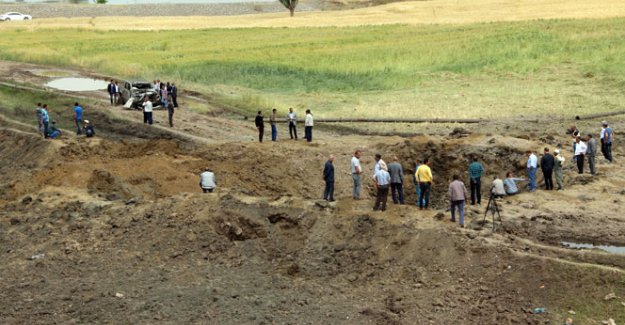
[115, 230]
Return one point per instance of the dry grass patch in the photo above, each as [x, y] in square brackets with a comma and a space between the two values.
[413, 12]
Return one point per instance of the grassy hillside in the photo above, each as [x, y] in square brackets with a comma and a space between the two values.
[479, 70]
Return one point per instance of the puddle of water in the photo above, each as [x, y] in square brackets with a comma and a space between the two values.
[77, 84]
[607, 248]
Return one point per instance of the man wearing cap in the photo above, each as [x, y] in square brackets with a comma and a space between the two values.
[557, 168]
[382, 180]
[591, 151]
[207, 181]
[606, 136]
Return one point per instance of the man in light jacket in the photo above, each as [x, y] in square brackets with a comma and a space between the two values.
[457, 196]
[397, 177]
[207, 181]
[308, 125]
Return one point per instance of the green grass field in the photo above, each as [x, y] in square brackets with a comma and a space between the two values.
[555, 67]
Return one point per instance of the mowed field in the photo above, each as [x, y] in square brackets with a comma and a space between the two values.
[474, 62]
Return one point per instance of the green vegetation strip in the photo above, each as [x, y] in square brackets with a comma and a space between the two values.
[555, 67]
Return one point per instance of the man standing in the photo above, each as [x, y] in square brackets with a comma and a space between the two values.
[174, 94]
[607, 136]
[580, 152]
[532, 165]
[292, 120]
[147, 111]
[591, 151]
[356, 171]
[260, 125]
[274, 127]
[382, 179]
[45, 120]
[378, 162]
[111, 90]
[170, 112]
[416, 182]
[207, 181]
[546, 165]
[475, 180]
[328, 177]
[424, 180]
[39, 113]
[116, 93]
[78, 118]
[308, 125]
[559, 162]
[457, 196]
[397, 178]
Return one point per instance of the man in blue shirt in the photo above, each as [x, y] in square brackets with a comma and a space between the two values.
[328, 177]
[78, 118]
[382, 181]
[45, 120]
[606, 137]
[475, 175]
[532, 165]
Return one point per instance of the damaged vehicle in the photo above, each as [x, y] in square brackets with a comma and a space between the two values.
[132, 93]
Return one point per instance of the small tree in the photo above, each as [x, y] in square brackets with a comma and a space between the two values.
[102, 2]
[290, 4]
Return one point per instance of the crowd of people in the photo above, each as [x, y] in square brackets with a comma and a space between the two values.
[391, 176]
[291, 119]
[168, 94]
[48, 129]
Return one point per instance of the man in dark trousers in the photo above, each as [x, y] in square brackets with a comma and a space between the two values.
[292, 120]
[111, 89]
[260, 125]
[328, 177]
[174, 94]
[397, 179]
[546, 165]
[475, 180]
[591, 152]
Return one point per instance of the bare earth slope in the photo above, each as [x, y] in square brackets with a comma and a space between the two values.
[114, 229]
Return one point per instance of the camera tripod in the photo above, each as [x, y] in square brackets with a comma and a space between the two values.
[493, 208]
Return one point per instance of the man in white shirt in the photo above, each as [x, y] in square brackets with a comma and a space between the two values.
[356, 171]
[308, 125]
[378, 162]
[382, 182]
[147, 110]
[532, 165]
[292, 120]
[207, 181]
[580, 152]
[497, 188]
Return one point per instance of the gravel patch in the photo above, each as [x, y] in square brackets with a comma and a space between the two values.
[190, 9]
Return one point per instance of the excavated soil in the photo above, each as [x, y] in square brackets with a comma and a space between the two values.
[115, 229]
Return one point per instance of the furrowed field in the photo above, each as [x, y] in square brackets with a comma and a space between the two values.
[544, 67]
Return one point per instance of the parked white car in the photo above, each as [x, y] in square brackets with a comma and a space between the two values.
[14, 16]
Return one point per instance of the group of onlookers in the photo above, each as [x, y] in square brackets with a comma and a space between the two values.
[47, 127]
[391, 176]
[291, 119]
[168, 94]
